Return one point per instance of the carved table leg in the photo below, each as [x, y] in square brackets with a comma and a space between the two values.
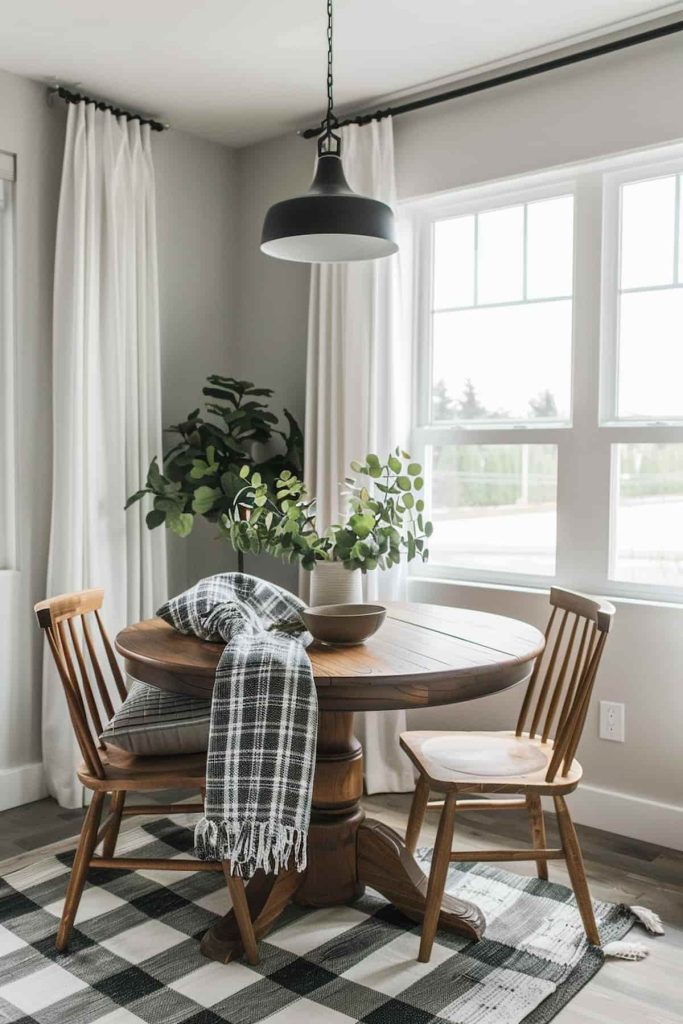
[385, 865]
[332, 875]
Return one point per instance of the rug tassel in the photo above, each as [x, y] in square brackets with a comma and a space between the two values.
[623, 950]
[649, 919]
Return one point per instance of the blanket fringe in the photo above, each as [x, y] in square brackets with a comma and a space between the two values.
[623, 950]
[252, 845]
[648, 919]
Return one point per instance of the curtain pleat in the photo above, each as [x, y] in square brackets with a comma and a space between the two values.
[106, 394]
[358, 400]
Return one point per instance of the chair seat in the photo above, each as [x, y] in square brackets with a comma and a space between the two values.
[134, 772]
[474, 762]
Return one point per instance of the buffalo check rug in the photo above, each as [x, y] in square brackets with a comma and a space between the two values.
[134, 956]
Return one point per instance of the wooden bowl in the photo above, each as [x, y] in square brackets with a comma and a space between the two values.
[343, 625]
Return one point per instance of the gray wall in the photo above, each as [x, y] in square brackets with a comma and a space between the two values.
[623, 101]
[196, 225]
[196, 217]
[29, 129]
[272, 295]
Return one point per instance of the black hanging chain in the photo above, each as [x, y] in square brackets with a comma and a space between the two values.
[330, 120]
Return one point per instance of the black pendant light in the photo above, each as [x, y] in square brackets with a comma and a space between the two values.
[330, 223]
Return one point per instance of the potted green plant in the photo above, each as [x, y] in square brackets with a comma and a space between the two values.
[384, 524]
[201, 471]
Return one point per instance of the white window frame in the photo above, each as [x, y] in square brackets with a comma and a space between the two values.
[586, 491]
[8, 429]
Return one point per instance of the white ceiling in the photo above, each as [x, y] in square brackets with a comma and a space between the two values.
[242, 70]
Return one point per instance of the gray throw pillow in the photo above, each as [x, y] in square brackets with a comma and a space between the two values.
[153, 722]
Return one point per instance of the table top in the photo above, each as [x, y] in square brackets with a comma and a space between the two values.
[422, 655]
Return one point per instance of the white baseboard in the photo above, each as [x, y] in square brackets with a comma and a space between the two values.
[21, 785]
[628, 815]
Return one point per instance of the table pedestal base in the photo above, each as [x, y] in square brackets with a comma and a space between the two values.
[345, 853]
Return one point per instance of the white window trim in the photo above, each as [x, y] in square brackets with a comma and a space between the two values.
[586, 495]
[8, 380]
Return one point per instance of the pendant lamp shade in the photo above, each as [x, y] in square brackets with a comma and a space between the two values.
[330, 223]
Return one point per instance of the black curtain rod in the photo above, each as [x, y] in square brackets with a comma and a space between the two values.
[510, 76]
[77, 97]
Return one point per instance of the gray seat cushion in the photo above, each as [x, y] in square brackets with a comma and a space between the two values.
[151, 722]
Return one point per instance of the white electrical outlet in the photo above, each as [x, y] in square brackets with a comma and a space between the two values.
[612, 721]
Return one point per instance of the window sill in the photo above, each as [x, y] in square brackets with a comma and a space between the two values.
[539, 590]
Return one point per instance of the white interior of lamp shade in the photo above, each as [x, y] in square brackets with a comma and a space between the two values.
[329, 248]
[485, 755]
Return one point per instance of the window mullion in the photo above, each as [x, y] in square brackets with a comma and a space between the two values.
[677, 221]
[476, 259]
[583, 499]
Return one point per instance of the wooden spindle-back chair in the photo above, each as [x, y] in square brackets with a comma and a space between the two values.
[543, 745]
[94, 688]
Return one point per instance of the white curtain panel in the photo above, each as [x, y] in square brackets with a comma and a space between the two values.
[106, 394]
[358, 400]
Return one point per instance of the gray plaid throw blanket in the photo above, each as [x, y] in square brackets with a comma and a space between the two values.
[261, 757]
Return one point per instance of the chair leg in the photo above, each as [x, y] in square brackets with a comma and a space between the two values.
[240, 907]
[437, 878]
[118, 799]
[577, 873]
[86, 845]
[537, 823]
[417, 814]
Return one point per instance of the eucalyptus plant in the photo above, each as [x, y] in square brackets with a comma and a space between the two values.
[201, 471]
[385, 520]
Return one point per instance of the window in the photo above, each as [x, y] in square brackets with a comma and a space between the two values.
[650, 301]
[648, 539]
[502, 313]
[7, 441]
[549, 412]
[494, 506]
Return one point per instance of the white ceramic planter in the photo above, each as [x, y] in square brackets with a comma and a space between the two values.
[331, 583]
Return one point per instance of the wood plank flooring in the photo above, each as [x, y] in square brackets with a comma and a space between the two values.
[622, 870]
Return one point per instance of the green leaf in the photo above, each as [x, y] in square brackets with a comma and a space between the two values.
[395, 465]
[199, 469]
[420, 505]
[244, 472]
[429, 529]
[154, 477]
[361, 525]
[404, 483]
[180, 523]
[414, 469]
[256, 480]
[135, 497]
[372, 460]
[418, 483]
[154, 518]
[260, 500]
[204, 499]
[408, 500]
[356, 467]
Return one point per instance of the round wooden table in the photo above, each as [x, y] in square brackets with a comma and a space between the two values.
[423, 655]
